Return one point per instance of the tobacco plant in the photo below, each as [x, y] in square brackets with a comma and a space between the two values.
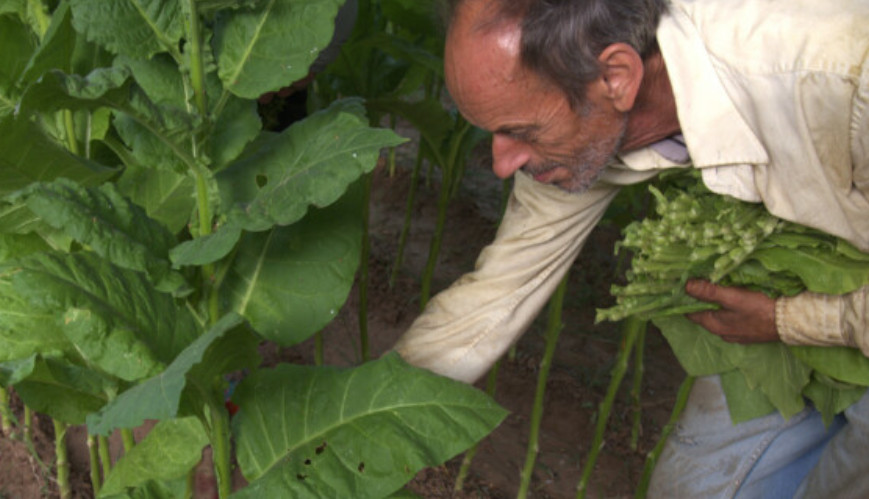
[152, 235]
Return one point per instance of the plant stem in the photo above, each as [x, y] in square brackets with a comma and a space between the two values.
[363, 268]
[652, 457]
[435, 247]
[408, 215]
[637, 389]
[221, 450]
[553, 329]
[105, 454]
[391, 152]
[96, 480]
[5, 413]
[631, 328]
[69, 126]
[128, 439]
[197, 71]
[491, 383]
[61, 460]
[28, 426]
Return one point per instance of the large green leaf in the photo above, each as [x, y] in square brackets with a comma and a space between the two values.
[18, 45]
[842, 363]
[64, 391]
[291, 281]
[125, 302]
[103, 87]
[272, 45]
[362, 432]
[771, 368]
[138, 28]
[103, 220]
[822, 271]
[13, 371]
[27, 155]
[24, 330]
[170, 450]
[165, 195]
[310, 163]
[160, 397]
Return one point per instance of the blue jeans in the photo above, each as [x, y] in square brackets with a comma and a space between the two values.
[768, 457]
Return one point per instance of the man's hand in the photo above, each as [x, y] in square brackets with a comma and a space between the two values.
[744, 317]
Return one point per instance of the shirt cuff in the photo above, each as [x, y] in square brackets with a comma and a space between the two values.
[812, 319]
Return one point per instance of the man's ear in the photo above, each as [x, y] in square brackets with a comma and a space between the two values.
[622, 73]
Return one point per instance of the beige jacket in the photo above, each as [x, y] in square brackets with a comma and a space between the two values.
[772, 100]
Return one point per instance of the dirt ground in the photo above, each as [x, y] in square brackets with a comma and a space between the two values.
[576, 385]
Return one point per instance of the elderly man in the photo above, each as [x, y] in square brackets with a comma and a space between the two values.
[768, 98]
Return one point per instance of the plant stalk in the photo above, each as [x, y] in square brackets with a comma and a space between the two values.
[5, 413]
[105, 454]
[93, 453]
[553, 329]
[435, 247]
[652, 457]
[28, 426]
[197, 71]
[61, 460]
[632, 328]
[128, 439]
[408, 216]
[363, 268]
[491, 383]
[221, 450]
[637, 389]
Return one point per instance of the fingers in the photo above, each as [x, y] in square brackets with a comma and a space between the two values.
[709, 292]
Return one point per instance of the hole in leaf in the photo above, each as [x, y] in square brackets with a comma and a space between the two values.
[307, 462]
[321, 448]
[361, 467]
[301, 476]
[262, 180]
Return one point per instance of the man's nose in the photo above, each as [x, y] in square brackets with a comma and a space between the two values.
[508, 155]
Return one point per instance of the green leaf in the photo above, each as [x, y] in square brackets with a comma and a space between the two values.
[15, 218]
[841, 363]
[138, 28]
[743, 402]
[18, 245]
[160, 397]
[822, 271]
[24, 330]
[165, 195]
[27, 155]
[362, 432]
[102, 87]
[831, 400]
[291, 281]
[170, 450]
[310, 163]
[13, 371]
[206, 249]
[699, 351]
[53, 283]
[103, 220]
[65, 392]
[771, 368]
[237, 126]
[18, 44]
[272, 45]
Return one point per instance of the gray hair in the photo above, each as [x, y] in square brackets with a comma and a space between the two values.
[562, 39]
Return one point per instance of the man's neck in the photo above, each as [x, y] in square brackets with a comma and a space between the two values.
[653, 116]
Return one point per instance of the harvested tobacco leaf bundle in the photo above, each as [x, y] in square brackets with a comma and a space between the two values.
[695, 233]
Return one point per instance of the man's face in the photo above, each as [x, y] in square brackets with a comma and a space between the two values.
[533, 125]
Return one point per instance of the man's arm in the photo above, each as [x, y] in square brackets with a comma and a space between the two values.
[467, 327]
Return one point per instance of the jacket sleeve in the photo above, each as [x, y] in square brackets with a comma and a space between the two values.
[825, 320]
[467, 327]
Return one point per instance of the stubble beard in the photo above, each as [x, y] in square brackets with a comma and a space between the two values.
[585, 165]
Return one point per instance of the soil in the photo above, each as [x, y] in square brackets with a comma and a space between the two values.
[576, 384]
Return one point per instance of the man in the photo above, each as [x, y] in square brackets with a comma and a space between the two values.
[771, 101]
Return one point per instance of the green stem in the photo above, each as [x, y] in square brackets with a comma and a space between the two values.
[93, 452]
[652, 457]
[637, 389]
[105, 454]
[391, 153]
[553, 329]
[197, 71]
[435, 247]
[128, 439]
[61, 460]
[632, 328]
[5, 412]
[408, 216]
[491, 383]
[363, 268]
[69, 126]
[220, 447]
[28, 426]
